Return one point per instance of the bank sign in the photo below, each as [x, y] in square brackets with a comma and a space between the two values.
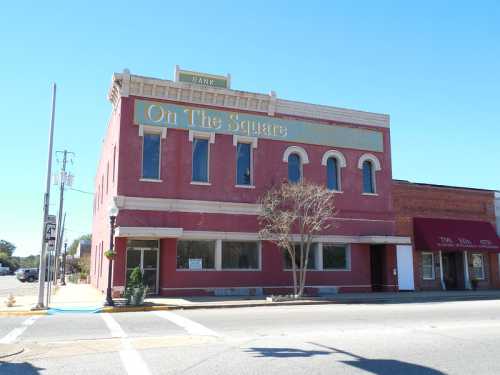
[201, 119]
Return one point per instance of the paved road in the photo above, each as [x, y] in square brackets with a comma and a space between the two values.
[9, 284]
[434, 338]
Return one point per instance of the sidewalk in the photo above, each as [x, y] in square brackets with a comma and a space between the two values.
[85, 298]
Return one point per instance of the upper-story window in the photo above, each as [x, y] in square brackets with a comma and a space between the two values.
[296, 157]
[332, 174]
[368, 185]
[294, 168]
[243, 164]
[151, 156]
[201, 156]
[200, 160]
[369, 163]
[333, 160]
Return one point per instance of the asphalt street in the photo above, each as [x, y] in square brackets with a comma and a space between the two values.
[432, 338]
[9, 284]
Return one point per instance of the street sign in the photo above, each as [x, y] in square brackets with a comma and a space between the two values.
[50, 228]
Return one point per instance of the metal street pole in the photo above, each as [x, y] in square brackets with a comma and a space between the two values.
[59, 217]
[46, 199]
[63, 277]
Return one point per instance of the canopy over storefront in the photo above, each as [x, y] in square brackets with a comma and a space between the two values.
[455, 235]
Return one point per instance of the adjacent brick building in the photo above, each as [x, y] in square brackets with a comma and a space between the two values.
[455, 209]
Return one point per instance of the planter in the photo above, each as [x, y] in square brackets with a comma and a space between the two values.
[137, 296]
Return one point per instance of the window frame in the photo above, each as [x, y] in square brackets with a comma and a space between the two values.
[259, 257]
[347, 248]
[337, 174]
[251, 184]
[203, 268]
[314, 248]
[426, 253]
[301, 169]
[483, 268]
[372, 177]
[142, 178]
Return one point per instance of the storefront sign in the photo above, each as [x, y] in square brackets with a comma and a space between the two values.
[202, 79]
[195, 263]
[183, 117]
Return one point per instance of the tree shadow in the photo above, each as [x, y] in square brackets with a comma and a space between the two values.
[285, 352]
[382, 366]
[18, 368]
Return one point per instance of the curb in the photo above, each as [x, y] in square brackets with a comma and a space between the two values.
[10, 350]
[136, 309]
[23, 313]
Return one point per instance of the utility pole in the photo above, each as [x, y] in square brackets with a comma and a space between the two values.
[46, 199]
[63, 277]
[64, 179]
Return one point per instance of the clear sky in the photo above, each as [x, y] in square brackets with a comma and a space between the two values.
[434, 66]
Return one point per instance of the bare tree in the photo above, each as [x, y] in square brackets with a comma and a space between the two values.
[294, 213]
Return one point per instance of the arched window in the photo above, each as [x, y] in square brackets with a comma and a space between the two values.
[368, 182]
[332, 174]
[294, 168]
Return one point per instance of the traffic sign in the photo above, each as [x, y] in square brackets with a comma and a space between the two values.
[50, 228]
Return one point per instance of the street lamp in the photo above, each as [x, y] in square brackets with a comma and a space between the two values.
[113, 212]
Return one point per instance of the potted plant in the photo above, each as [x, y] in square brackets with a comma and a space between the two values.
[136, 289]
[473, 283]
[110, 254]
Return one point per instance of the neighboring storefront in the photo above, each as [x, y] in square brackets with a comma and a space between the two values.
[186, 161]
[455, 245]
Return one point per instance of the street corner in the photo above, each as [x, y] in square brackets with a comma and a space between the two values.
[123, 309]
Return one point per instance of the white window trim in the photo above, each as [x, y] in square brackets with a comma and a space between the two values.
[432, 265]
[341, 163]
[347, 255]
[216, 253]
[483, 271]
[372, 158]
[210, 136]
[374, 176]
[259, 259]
[248, 140]
[304, 158]
[147, 129]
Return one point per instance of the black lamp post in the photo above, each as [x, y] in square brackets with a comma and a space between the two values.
[113, 211]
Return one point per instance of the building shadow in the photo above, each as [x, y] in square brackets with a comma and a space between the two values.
[285, 352]
[382, 366]
[18, 368]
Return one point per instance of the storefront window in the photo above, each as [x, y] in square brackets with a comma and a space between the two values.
[428, 266]
[200, 160]
[151, 156]
[191, 253]
[335, 257]
[311, 263]
[240, 255]
[244, 164]
[477, 266]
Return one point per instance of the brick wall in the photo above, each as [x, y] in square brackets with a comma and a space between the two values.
[421, 200]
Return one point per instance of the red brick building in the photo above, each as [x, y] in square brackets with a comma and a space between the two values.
[185, 161]
[452, 232]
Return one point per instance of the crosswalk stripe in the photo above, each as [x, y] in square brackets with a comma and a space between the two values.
[12, 336]
[189, 325]
[131, 359]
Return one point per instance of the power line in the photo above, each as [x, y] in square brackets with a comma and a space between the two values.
[81, 191]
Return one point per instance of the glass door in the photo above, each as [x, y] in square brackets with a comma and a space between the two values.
[144, 254]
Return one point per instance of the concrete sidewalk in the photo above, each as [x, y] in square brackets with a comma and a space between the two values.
[84, 297]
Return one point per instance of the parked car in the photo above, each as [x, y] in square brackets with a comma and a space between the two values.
[4, 271]
[27, 274]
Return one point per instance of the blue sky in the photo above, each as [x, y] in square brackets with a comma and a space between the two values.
[433, 66]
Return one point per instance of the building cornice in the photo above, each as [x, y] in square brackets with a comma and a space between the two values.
[125, 84]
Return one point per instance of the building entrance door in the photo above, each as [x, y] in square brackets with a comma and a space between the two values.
[452, 263]
[377, 267]
[404, 254]
[144, 254]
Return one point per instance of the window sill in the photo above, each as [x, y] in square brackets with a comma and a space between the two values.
[202, 270]
[426, 279]
[370, 194]
[336, 191]
[245, 186]
[221, 270]
[323, 270]
[149, 180]
[240, 270]
[201, 183]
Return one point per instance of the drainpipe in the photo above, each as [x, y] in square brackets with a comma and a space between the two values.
[443, 286]
[466, 271]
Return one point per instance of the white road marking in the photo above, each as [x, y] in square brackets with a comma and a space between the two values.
[189, 325]
[12, 336]
[131, 359]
